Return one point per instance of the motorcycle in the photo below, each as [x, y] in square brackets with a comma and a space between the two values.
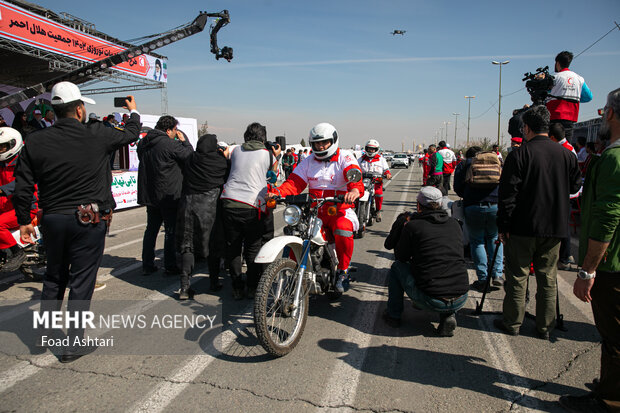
[365, 209]
[33, 267]
[301, 262]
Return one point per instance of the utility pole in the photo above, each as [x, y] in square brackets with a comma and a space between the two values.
[456, 120]
[469, 98]
[499, 112]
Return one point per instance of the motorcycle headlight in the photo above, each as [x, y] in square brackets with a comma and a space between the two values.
[292, 215]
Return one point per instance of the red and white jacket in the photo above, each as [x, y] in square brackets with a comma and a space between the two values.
[324, 178]
[567, 87]
[376, 164]
[449, 160]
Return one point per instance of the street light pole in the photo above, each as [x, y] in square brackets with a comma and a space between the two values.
[499, 112]
[456, 119]
[469, 98]
[445, 125]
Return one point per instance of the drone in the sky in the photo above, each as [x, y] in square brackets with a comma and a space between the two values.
[401, 32]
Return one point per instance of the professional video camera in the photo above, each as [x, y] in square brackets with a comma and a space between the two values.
[269, 145]
[539, 84]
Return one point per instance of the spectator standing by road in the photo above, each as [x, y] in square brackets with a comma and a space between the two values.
[288, 161]
[203, 174]
[598, 281]
[246, 218]
[569, 89]
[480, 217]
[162, 153]
[37, 120]
[449, 163]
[435, 169]
[536, 179]
[429, 264]
[70, 164]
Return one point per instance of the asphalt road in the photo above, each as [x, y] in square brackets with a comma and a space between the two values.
[347, 360]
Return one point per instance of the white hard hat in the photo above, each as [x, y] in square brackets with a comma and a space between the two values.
[11, 138]
[324, 132]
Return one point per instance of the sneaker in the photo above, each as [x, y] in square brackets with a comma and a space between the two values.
[499, 324]
[72, 356]
[447, 325]
[237, 294]
[543, 335]
[13, 262]
[390, 321]
[342, 281]
[571, 260]
[148, 270]
[498, 281]
[478, 285]
[378, 218]
[587, 403]
[564, 266]
[99, 286]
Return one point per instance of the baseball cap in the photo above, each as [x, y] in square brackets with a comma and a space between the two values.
[429, 194]
[36, 112]
[517, 139]
[93, 116]
[65, 92]
[222, 144]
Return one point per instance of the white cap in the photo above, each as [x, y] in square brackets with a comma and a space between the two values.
[93, 116]
[222, 144]
[447, 145]
[65, 92]
[37, 112]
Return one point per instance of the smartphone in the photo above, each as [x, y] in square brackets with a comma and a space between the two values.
[120, 102]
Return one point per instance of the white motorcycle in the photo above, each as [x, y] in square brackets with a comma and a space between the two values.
[366, 210]
[301, 262]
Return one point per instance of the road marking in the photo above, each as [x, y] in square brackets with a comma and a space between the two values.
[160, 397]
[342, 386]
[118, 231]
[26, 369]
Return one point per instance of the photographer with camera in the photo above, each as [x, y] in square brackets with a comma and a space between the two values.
[248, 223]
[569, 89]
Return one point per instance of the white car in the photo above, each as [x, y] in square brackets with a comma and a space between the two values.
[388, 156]
[400, 159]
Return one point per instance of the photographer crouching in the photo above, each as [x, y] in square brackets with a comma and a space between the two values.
[429, 264]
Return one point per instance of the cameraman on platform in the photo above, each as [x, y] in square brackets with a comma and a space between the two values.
[569, 89]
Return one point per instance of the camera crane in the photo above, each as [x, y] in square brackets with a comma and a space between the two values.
[166, 38]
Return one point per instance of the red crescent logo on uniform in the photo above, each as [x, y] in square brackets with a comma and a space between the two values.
[570, 81]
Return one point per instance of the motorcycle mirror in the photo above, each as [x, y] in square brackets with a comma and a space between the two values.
[354, 175]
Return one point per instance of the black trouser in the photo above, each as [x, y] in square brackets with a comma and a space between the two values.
[446, 183]
[194, 223]
[165, 212]
[74, 253]
[568, 128]
[244, 231]
[217, 243]
[606, 309]
[565, 246]
[437, 182]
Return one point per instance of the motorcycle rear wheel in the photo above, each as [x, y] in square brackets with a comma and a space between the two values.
[278, 331]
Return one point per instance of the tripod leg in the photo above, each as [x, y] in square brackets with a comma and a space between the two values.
[487, 284]
[559, 324]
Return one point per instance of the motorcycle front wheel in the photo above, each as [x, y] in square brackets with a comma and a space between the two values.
[279, 325]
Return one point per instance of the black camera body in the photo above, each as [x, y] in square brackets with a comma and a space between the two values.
[271, 145]
[539, 86]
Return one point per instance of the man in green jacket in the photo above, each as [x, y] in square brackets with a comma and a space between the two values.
[598, 281]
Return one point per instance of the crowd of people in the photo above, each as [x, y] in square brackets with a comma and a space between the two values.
[516, 210]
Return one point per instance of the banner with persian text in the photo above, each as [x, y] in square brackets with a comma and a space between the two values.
[29, 28]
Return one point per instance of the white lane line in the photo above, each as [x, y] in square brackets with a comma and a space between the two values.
[123, 245]
[25, 369]
[166, 391]
[337, 394]
[118, 231]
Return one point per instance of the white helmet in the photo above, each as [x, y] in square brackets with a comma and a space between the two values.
[372, 147]
[324, 132]
[11, 142]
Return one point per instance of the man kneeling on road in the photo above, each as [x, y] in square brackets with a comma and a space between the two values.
[429, 264]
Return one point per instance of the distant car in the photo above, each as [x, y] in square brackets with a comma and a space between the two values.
[400, 159]
[388, 156]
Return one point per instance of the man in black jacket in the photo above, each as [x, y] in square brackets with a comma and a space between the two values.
[69, 162]
[429, 264]
[160, 181]
[532, 217]
[203, 175]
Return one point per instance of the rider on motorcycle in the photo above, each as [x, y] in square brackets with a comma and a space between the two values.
[373, 161]
[324, 171]
[10, 144]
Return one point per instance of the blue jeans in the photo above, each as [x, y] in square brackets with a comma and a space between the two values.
[401, 281]
[480, 221]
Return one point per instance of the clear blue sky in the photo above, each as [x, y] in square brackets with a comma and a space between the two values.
[298, 63]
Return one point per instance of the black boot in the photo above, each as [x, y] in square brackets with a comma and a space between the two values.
[184, 292]
[447, 324]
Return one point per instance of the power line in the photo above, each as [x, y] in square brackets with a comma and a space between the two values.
[601, 38]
